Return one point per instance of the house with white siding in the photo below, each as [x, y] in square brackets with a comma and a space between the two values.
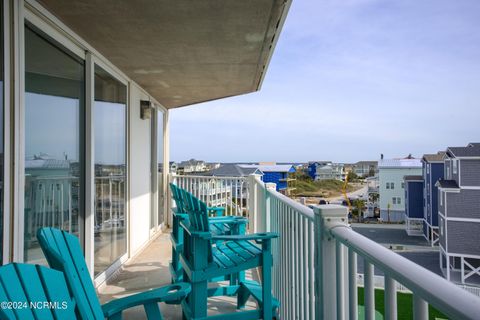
[391, 173]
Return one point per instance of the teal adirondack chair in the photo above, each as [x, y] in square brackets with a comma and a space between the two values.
[207, 256]
[63, 253]
[219, 225]
[34, 292]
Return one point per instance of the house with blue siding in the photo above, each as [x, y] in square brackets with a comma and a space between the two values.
[459, 215]
[432, 171]
[413, 205]
[326, 170]
[280, 174]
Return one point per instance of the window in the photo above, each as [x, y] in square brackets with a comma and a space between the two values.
[403, 185]
[394, 200]
[447, 166]
[392, 185]
[428, 168]
[388, 185]
[110, 108]
[54, 149]
[454, 166]
[399, 200]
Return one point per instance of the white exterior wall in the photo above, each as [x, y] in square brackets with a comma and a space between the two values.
[140, 161]
[394, 175]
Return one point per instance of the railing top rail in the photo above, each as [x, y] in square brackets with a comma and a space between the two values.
[209, 177]
[300, 208]
[444, 295]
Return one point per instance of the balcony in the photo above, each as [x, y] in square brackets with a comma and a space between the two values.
[316, 272]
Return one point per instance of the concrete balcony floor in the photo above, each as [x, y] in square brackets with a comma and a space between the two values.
[149, 270]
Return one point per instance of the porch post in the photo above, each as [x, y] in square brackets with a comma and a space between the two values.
[327, 217]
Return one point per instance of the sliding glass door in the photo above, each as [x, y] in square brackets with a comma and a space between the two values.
[54, 146]
[110, 110]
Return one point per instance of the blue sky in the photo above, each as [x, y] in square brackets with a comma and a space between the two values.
[350, 80]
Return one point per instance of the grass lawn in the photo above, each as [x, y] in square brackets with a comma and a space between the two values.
[404, 305]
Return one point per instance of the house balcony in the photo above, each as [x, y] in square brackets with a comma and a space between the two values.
[316, 266]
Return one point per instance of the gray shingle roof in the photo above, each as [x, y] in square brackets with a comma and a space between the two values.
[471, 151]
[447, 184]
[434, 157]
[231, 170]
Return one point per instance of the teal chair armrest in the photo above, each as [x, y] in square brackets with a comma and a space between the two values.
[229, 220]
[257, 237]
[217, 211]
[174, 293]
[196, 234]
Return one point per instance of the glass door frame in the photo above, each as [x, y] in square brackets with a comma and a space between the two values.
[25, 14]
[7, 174]
[37, 16]
[91, 61]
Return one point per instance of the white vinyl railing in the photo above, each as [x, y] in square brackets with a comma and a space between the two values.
[315, 273]
[230, 193]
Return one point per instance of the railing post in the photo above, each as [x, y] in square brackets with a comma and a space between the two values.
[268, 206]
[168, 215]
[252, 203]
[327, 217]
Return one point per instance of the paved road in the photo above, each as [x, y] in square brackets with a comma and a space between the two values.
[388, 235]
[416, 249]
[354, 194]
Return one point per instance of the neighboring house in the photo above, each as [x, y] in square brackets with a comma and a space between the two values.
[391, 190]
[432, 167]
[373, 196]
[365, 168]
[238, 187]
[213, 165]
[459, 214]
[325, 170]
[51, 191]
[280, 174]
[414, 205]
[173, 167]
[191, 166]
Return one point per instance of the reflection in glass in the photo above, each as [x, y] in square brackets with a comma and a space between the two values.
[54, 105]
[161, 196]
[110, 169]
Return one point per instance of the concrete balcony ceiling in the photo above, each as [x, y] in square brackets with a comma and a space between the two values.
[181, 51]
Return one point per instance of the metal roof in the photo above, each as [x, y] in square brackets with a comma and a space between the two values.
[47, 164]
[400, 163]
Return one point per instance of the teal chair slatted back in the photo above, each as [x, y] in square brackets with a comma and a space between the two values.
[197, 212]
[63, 253]
[30, 285]
[198, 219]
[177, 197]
